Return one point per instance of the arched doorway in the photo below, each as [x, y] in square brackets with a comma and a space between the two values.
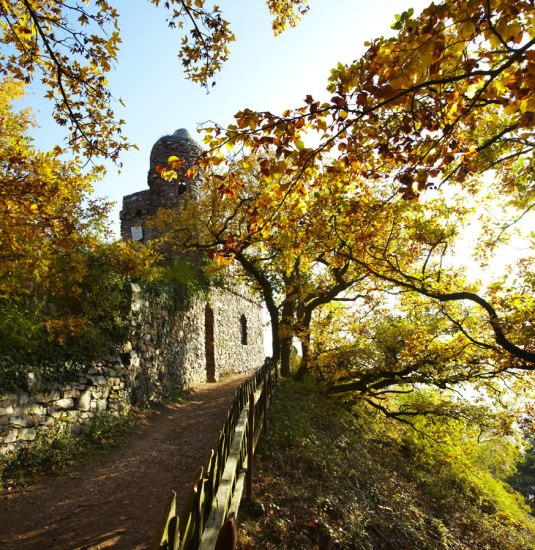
[209, 343]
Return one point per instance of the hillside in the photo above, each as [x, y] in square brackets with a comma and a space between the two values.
[331, 475]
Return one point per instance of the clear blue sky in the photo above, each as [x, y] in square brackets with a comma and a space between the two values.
[263, 73]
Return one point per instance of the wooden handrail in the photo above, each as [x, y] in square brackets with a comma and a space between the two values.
[216, 490]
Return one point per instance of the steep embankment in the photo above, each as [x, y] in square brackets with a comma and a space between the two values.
[327, 477]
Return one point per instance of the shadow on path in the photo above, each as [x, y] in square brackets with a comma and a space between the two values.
[117, 501]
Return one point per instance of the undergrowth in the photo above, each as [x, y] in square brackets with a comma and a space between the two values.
[55, 449]
[330, 476]
[58, 339]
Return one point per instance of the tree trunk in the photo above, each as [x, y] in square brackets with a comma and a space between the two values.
[269, 299]
[275, 340]
[285, 335]
[305, 359]
[304, 338]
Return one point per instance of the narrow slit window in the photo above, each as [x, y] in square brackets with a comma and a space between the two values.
[181, 188]
[243, 330]
[209, 343]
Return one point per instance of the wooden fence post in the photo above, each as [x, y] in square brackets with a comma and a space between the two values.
[270, 386]
[250, 447]
[165, 535]
[265, 402]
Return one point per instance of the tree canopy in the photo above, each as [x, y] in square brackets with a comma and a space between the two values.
[427, 137]
[449, 97]
[59, 279]
[72, 46]
[360, 199]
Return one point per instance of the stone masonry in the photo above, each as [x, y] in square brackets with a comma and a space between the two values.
[138, 207]
[166, 351]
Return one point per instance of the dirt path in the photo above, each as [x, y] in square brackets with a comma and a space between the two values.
[117, 501]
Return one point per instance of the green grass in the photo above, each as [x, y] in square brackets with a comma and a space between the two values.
[329, 477]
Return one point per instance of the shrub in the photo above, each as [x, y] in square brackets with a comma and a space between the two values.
[55, 449]
[55, 335]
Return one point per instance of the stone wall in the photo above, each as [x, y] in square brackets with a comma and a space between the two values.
[69, 405]
[166, 352]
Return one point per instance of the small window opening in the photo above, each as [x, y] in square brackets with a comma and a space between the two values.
[181, 187]
[139, 212]
[137, 232]
[209, 343]
[243, 330]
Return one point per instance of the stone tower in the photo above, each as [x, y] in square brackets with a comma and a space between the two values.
[222, 328]
[139, 206]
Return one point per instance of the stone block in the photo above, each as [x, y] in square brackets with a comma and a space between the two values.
[7, 411]
[35, 410]
[47, 397]
[11, 436]
[46, 422]
[27, 434]
[71, 393]
[5, 449]
[18, 421]
[66, 403]
[85, 400]
[98, 380]
[134, 359]
[102, 404]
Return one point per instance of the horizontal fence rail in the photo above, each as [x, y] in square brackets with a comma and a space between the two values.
[217, 489]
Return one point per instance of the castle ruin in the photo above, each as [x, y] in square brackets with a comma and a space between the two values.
[230, 329]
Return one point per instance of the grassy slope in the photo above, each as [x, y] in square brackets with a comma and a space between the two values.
[327, 478]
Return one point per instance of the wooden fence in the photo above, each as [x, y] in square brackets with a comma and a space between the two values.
[217, 489]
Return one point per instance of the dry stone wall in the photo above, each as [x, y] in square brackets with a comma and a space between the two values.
[61, 406]
[166, 352]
